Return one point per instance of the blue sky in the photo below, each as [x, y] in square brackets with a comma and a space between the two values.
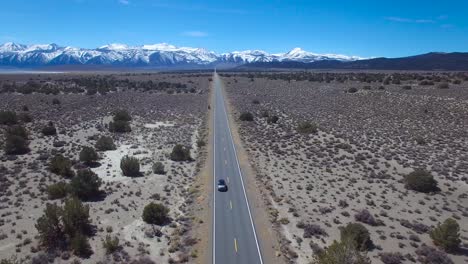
[364, 28]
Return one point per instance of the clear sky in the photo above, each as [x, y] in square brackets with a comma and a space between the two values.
[364, 28]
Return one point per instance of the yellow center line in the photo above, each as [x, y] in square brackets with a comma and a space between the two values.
[230, 203]
[235, 244]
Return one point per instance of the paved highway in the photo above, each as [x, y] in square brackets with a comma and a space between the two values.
[234, 236]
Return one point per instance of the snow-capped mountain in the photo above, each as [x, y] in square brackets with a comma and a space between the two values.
[155, 55]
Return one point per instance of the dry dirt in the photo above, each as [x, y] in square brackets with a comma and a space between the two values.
[161, 118]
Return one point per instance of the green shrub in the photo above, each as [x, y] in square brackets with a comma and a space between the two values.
[421, 181]
[130, 166]
[50, 228]
[80, 245]
[343, 252]
[49, 130]
[85, 184]
[61, 166]
[358, 234]
[111, 244]
[272, 119]
[443, 85]
[156, 214]
[352, 90]
[105, 143]
[75, 217]
[200, 143]
[447, 235]
[8, 118]
[120, 126]
[180, 153]
[57, 190]
[122, 115]
[88, 155]
[246, 116]
[16, 145]
[158, 168]
[307, 128]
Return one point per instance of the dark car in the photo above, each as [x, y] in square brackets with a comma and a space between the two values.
[222, 187]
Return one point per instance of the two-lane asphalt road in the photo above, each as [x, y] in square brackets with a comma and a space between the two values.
[234, 236]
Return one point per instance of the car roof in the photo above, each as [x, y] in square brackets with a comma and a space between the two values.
[221, 181]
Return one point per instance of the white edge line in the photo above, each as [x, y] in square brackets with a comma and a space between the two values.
[243, 188]
[214, 175]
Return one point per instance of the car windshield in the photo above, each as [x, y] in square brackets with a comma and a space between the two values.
[221, 182]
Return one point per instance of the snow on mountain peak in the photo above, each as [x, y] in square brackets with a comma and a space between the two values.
[114, 46]
[161, 54]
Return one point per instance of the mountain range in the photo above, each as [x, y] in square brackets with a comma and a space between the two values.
[156, 55]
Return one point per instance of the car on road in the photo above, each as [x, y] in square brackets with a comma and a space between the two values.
[222, 187]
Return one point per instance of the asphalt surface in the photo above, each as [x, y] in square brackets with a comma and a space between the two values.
[234, 235]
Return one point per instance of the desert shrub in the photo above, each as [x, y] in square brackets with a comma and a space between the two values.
[246, 116]
[421, 181]
[16, 140]
[391, 258]
[143, 260]
[75, 217]
[61, 166]
[341, 252]
[272, 119]
[420, 140]
[358, 234]
[122, 115]
[443, 85]
[201, 143]
[311, 230]
[447, 235]
[307, 128]
[352, 90]
[16, 145]
[85, 184]
[57, 190]
[56, 101]
[156, 214]
[50, 228]
[457, 81]
[426, 82]
[255, 101]
[49, 130]
[158, 168]
[365, 216]
[119, 126]
[407, 87]
[8, 118]
[88, 155]
[105, 143]
[130, 166]
[180, 153]
[80, 245]
[429, 255]
[111, 244]
[41, 258]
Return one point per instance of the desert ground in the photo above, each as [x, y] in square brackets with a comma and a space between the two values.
[373, 129]
[165, 109]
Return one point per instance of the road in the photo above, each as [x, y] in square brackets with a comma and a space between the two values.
[234, 236]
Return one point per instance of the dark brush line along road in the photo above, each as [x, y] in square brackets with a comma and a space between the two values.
[234, 236]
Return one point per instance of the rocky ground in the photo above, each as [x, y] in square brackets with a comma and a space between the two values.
[171, 111]
[352, 169]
